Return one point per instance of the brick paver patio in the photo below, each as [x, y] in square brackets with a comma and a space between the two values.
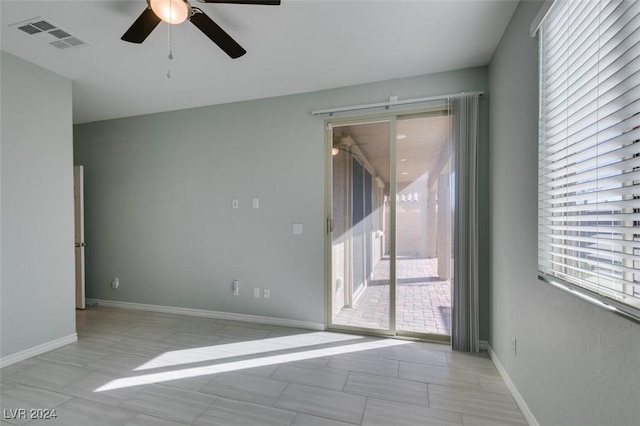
[423, 299]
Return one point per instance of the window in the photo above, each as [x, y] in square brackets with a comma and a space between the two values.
[589, 151]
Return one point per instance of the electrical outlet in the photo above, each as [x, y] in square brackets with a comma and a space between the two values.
[115, 284]
[514, 346]
[267, 293]
[235, 287]
[256, 292]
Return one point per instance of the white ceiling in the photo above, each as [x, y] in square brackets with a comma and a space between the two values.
[299, 46]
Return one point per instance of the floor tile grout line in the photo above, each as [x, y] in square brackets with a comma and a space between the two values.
[344, 385]
[366, 402]
[492, 418]
[206, 408]
[476, 415]
[273, 404]
[477, 380]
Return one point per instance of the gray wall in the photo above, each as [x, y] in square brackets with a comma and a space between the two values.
[576, 364]
[159, 191]
[37, 287]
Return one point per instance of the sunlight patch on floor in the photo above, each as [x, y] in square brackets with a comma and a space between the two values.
[166, 376]
[228, 350]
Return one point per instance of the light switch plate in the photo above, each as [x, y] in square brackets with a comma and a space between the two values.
[256, 203]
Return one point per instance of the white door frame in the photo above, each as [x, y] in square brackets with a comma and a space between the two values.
[79, 242]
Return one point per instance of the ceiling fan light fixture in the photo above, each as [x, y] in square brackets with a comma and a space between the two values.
[171, 11]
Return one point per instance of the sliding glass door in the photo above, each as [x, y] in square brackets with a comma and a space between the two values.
[360, 276]
[424, 221]
[389, 225]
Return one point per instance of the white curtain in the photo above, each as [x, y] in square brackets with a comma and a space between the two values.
[464, 316]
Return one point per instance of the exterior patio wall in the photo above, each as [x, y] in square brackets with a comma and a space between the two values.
[412, 213]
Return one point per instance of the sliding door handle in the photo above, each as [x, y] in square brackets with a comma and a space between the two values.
[329, 225]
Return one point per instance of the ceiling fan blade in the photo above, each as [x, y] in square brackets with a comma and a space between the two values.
[142, 27]
[216, 34]
[261, 2]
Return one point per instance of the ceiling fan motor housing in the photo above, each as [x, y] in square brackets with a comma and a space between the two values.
[171, 11]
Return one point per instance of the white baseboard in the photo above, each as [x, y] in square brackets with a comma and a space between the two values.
[37, 350]
[526, 412]
[208, 314]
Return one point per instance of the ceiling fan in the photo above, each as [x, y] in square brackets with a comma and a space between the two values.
[178, 11]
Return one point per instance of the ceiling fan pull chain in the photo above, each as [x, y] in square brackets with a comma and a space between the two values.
[169, 30]
[170, 51]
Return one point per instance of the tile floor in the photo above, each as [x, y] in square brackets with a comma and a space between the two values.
[423, 300]
[142, 368]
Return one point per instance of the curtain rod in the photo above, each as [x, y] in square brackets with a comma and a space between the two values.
[393, 102]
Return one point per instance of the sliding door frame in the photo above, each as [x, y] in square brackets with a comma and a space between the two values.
[329, 124]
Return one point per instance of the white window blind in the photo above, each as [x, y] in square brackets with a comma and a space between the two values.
[589, 151]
